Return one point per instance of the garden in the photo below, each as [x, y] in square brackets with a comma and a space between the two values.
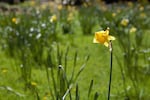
[92, 51]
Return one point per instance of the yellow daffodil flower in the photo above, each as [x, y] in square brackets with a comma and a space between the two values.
[130, 4]
[45, 98]
[53, 19]
[32, 3]
[85, 5]
[118, 10]
[141, 8]
[69, 8]
[43, 6]
[60, 7]
[103, 37]
[70, 17]
[113, 14]
[133, 30]
[124, 22]
[143, 15]
[14, 20]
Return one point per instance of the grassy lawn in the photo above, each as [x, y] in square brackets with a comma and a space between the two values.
[37, 52]
[97, 69]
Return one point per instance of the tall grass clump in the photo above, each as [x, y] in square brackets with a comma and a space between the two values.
[66, 17]
[87, 18]
[34, 34]
[26, 41]
[61, 82]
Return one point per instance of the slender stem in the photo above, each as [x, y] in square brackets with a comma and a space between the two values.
[111, 60]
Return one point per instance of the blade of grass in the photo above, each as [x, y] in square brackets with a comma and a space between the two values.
[90, 88]
[68, 90]
[81, 68]
[66, 55]
[96, 96]
[75, 61]
[67, 83]
[12, 91]
[77, 93]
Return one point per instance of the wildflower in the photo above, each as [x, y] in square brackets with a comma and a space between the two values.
[32, 3]
[70, 17]
[143, 15]
[45, 98]
[33, 83]
[118, 10]
[53, 19]
[124, 22]
[69, 8]
[15, 20]
[104, 8]
[141, 8]
[43, 6]
[132, 30]
[103, 37]
[85, 4]
[47, 94]
[60, 7]
[113, 14]
[130, 4]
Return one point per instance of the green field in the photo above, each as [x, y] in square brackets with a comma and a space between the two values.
[33, 46]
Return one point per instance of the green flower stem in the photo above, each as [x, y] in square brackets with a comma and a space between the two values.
[111, 60]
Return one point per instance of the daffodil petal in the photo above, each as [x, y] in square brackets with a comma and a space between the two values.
[95, 41]
[106, 44]
[111, 38]
[107, 31]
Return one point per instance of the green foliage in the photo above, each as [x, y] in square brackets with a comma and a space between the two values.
[131, 42]
[34, 66]
[60, 85]
[35, 34]
[66, 20]
[87, 22]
